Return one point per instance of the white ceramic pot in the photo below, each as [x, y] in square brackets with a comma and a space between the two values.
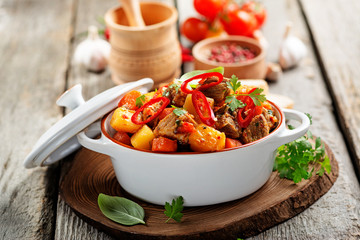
[201, 178]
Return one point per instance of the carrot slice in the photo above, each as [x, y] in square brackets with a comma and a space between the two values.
[122, 137]
[129, 100]
[162, 144]
[231, 143]
[165, 112]
[186, 127]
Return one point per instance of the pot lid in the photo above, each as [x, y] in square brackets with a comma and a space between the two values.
[60, 140]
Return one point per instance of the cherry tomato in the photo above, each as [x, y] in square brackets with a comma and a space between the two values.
[194, 29]
[238, 22]
[257, 9]
[209, 8]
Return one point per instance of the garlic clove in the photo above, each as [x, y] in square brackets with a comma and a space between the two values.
[273, 72]
[93, 52]
[292, 50]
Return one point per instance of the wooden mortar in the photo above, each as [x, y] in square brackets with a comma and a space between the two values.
[151, 51]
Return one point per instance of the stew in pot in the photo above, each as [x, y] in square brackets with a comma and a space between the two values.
[204, 113]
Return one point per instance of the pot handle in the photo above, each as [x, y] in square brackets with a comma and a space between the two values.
[100, 145]
[287, 135]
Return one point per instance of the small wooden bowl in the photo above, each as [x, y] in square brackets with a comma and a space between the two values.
[250, 69]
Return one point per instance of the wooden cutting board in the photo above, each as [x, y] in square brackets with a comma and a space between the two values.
[91, 173]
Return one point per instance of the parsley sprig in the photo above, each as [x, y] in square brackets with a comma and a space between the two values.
[166, 92]
[178, 111]
[234, 84]
[297, 160]
[140, 100]
[256, 96]
[173, 211]
[234, 103]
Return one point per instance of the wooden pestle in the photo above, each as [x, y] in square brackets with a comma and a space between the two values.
[133, 12]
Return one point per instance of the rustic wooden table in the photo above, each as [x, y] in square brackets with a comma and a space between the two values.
[37, 41]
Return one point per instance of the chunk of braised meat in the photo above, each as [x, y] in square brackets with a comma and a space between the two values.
[169, 127]
[270, 118]
[174, 93]
[217, 92]
[226, 122]
[258, 128]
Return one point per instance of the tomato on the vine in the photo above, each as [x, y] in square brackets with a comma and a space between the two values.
[194, 29]
[238, 22]
[214, 32]
[257, 9]
[209, 8]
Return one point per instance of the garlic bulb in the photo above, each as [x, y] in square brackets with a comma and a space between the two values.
[92, 53]
[292, 50]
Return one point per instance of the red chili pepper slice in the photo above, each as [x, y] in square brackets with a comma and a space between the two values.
[249, 109]
[202, 77]
[257, 109]
[160, 91]
[135, 117]
[244, 122]
[246, 98]
[203, 108]
[186, 57]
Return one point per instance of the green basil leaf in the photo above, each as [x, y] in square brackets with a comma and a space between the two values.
[121, 210]
[189, 75]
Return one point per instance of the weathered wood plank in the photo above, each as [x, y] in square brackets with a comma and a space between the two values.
[335, 215]
[34, 43]
[336, 29]
[68, 225]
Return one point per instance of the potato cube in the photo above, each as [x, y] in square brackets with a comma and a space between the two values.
[206, 139]
[121, 121]
[149, 96]
[188, 106]
[142, 138]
